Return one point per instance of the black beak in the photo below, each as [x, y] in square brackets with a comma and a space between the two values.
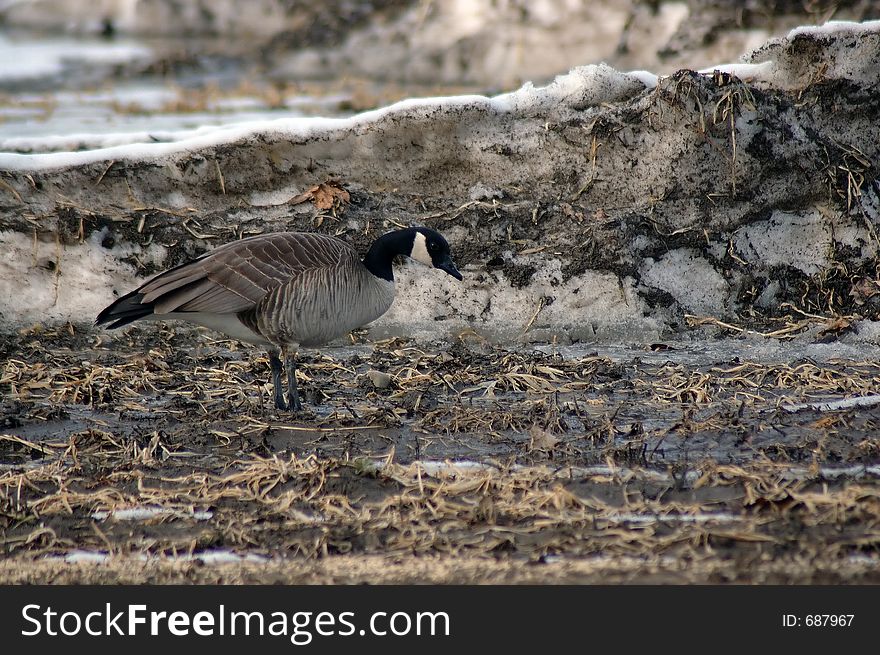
[448, 266]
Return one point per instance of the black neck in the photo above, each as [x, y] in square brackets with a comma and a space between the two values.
[384, 249]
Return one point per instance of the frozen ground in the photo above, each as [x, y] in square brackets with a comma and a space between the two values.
[162, 460]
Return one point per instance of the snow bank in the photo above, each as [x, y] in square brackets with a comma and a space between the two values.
[603, 206]
[584, 87]
[50, 282]
[846, 50]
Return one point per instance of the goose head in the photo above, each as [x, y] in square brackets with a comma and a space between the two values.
[431, 249]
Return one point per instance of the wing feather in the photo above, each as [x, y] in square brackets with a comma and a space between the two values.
[236, 276]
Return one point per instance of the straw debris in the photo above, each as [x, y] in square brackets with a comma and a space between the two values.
[621, 470]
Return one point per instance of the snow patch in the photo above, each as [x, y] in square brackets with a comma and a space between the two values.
[799, 239]
[650, 519]
[835, 28]
[866, 332]
[98, 140]
[37, 59]
[835, 405]
[586, 307]
[48, 281]
[689, 278]
[204, 557]
[835, 50]
[745, 72]
[146, 513]
[582, 87]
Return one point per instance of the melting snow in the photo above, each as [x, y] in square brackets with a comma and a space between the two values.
[30, 60]
[144, 513]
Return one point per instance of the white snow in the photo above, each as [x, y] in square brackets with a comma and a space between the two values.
[590, 306]
[745, 72]
[84, 557]
[297, 128]
[690, 278]
[60, 282]
[689, 477]
[840, 46]
[866, 332]
[834, 405]
[138, 112]
[145, 513]
[647, 78]
[857, 471]
[32, 59]
[435, 467]
[219, 557]
[582, 87]
[799, 239]
[155, 151]
[205, 557]
[835, 27]
[650, 519]
[98, 140]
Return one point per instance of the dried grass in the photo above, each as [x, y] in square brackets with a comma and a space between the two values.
[186, 432]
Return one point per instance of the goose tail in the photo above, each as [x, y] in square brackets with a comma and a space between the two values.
[124, 310]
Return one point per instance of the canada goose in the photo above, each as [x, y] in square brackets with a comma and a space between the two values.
[282, 291]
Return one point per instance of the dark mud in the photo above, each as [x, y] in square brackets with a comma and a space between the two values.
[474, 463]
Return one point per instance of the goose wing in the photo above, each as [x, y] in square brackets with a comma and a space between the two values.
[236, 276]
[231, 278]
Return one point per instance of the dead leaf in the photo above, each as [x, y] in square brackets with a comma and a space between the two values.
[301, 198]
[835, 326]
[327, 195]
[541, 440]
[863, 290]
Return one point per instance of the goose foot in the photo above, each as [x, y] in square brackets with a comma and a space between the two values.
[292, 402]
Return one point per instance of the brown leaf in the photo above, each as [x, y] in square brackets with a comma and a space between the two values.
[541, 440]
[301, 198]
[835, 326]
[863, 290]
[329, 194]
[326, 195]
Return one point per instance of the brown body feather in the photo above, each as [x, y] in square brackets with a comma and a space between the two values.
[284, 289]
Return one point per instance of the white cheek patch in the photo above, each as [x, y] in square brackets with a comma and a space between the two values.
[420, 250]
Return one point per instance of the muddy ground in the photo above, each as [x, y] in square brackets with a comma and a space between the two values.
[155, 455]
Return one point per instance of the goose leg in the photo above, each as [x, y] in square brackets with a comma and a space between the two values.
[293, 403]
[275, 364]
